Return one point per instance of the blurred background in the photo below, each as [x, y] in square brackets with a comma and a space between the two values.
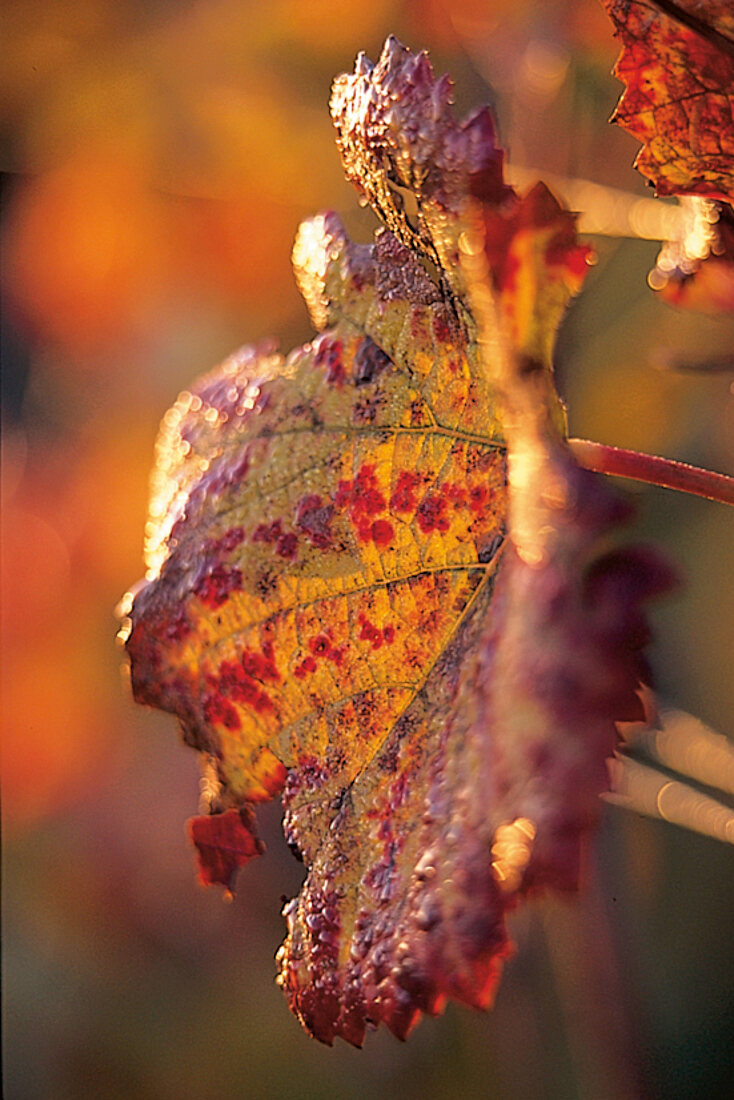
[157, 157]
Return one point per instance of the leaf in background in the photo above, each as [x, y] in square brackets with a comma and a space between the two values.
[334, 608]
[677, 64]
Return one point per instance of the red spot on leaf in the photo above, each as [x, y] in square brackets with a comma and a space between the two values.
[373, 634]
[313, 517]
[286, 542]
[366, 477]
[432, 514]
[364, 500]
[260, 665]
[370, 502]
[224, 843]
[367, 500]
[220, 712]
[307, 666]
[229, 541]
[239, 685]
[455, 494]
[268, 532]
[287, 545]
[403, 495]
[214, 588]
[320, 645]
[478, 496]
[382, 533]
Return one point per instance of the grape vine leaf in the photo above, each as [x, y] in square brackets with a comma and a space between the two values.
[677, 64]
[374, 580]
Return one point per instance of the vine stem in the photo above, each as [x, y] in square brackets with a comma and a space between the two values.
[664, 472]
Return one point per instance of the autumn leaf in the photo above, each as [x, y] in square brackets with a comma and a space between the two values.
[677, 64]
[224, 843]
[374, 583]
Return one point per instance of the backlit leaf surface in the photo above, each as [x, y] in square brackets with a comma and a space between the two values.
[677, 64]
[373, 583]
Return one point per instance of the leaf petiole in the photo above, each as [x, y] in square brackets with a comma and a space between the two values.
[664, 472]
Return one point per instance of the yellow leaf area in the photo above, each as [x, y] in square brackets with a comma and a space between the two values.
[323, 524]
[678, 67]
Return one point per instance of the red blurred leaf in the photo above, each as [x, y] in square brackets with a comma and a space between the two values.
[374, 579]
[224, 843]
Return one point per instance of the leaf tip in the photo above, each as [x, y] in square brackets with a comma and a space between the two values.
[224, 842]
